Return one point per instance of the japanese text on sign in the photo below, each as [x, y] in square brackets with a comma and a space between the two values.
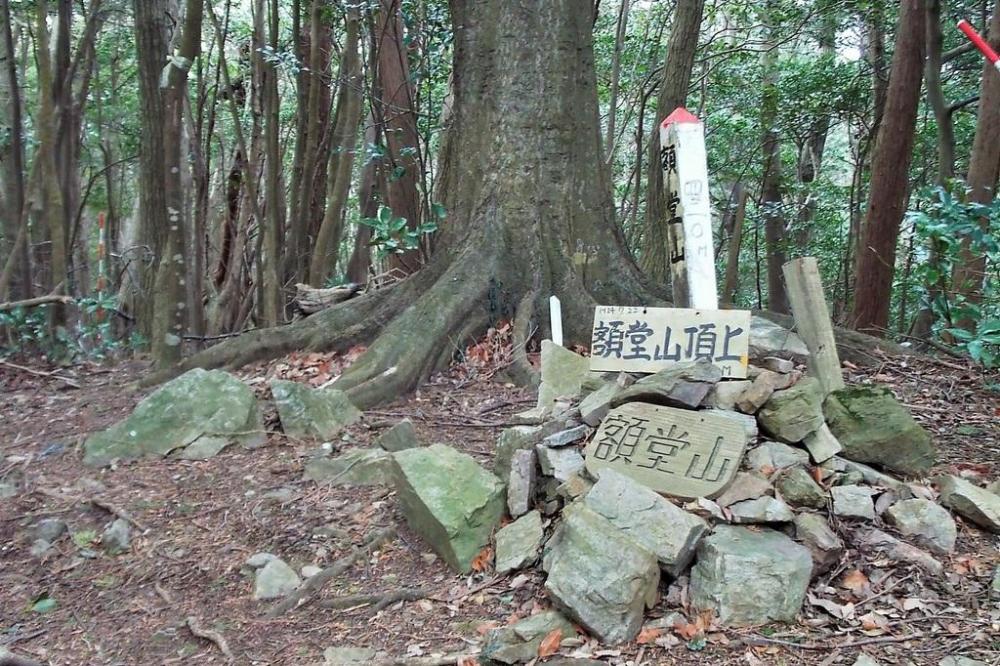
[650, 339]
[674, 451]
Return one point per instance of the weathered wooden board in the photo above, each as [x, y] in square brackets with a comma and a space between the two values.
[676, 452]
[638, 339]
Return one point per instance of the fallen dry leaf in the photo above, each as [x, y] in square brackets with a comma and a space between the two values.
[855, 581]
[550, 644]
[485, 628]
[467, 661]
[648, 635]
[482, 560]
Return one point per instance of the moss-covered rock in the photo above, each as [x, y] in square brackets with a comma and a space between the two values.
[449, 500]
[308, 412]
[194, 416]
[873, 427]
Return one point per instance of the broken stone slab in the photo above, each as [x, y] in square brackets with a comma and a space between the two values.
[874, 428]
[519, 642]
[596, 405]
[821, 444]
[532, 417]
[115, 539]
[994, 591]
[586, 554]
[449, 500]
[750, 576]
[777, 364]
[897, 550]
[683, 385]
[865, 660]
[770, 339]
[399, 437]
[521, 482]
[560, 464]
[929, 524]
[748, 421]
[348, 656]
[958, 660]
[199, 405]
[519, 438]
[775, 455]
[518, 544]
[49, 529]
[865, 474]
[853, 502]
[309, 412]
[564, 373]
[356, 467]
[725, 394]
[799, 489]
[671, 533]
[761, 510]
[793, 413]
[745, 486]
[275, 579]
[970, 501]
[575, 487]
[760, 391]
[566, 437]
[815, 534]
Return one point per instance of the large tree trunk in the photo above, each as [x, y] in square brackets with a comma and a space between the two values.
[984, 169]
[673, 93]
[530, 212]
[273, 306]
[890, 175]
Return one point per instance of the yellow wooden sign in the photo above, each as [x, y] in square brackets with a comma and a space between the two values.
[676, 452]
[639, 339]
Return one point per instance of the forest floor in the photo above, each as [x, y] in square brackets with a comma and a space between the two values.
[197, 522]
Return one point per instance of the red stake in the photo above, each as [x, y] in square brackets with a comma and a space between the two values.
[980, 43]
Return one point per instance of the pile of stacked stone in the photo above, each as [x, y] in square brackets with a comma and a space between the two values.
[609, 545]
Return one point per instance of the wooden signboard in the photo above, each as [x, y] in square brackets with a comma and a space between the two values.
[676, 452]
[638, 339]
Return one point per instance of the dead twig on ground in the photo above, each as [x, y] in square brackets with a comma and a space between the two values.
[118, 512]
[41, 373]
[207, 634]
[8, 658]
[444, 660]
[316, 583]
[380, 601]
[763, 640]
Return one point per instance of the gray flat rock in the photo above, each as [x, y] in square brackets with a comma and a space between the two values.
[970, 501]
[518, 544]
[929, 524]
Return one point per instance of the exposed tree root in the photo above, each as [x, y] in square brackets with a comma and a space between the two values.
[194, 626]
[377, 601]
[8, 658]
[315, 583]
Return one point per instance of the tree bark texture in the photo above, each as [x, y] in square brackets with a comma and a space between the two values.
[654, 257]
[890, 174]
[984, 169]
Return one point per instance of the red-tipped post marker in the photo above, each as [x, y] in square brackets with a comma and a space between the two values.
[980, 43]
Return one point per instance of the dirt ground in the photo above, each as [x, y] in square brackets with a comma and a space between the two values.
[197, 522]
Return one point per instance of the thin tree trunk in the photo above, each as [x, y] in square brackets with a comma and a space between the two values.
[272, 306]
[924, 322]
[344, 143]
[677, 69]
[616, 64]
[369, 192]
[732, 279]
[398, 118]
[984, 169]
[772, 194]
[50, 194]
[890, 174]
[12, 159]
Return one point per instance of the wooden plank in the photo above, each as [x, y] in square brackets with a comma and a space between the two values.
[689, 225]
[676, 452]
[640, 339]
[812, 321]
